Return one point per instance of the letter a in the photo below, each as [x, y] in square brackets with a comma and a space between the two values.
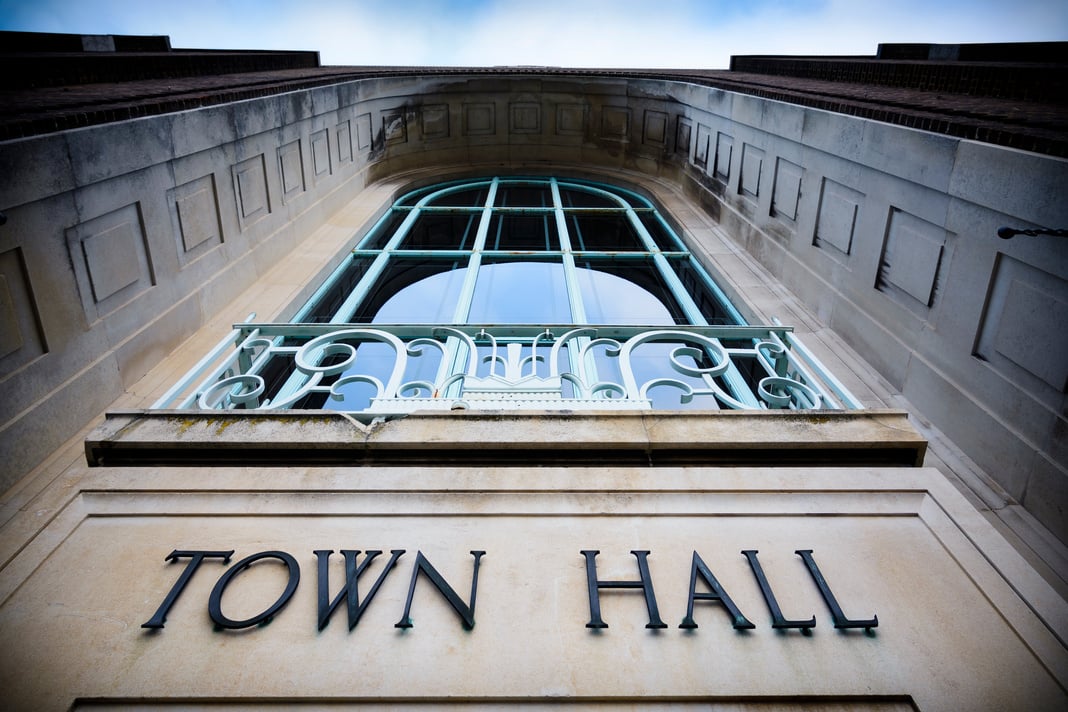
[718, 594]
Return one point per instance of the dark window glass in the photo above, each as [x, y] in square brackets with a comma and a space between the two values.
[323, 310]
[442, 232]
[513, 195]
[471, 198]
[603, 233]
[664, 240]
[378, 238]
[522, 232]
[710, 306]
[572, 198]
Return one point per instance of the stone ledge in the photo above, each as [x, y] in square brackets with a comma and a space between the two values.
[657, 438]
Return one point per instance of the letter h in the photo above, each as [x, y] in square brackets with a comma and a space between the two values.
[645, 583]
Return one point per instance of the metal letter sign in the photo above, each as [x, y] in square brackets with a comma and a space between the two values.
[349, 591]
[215, 602]
[840, 621]
[718, 594]
[157, 620]
[466, 612]
[777, 619]
[354, 569]
[645, 583]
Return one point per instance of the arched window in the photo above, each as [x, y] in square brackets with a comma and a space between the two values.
[521, 250]
[515, 293]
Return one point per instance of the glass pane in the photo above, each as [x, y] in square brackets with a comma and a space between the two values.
[522, 232]
[711, 307]
[643, 274]
[603, 233]
[664, 240]
[574, 198]
[432, 301]
[470, 198]
[323, 310]
[520, 293]
[519, 195]
[436, 231]
[377, 239]
[610, 299]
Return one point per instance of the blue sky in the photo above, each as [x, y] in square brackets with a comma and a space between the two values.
[578, 33]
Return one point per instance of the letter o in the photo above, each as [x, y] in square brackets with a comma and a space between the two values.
[215, 601]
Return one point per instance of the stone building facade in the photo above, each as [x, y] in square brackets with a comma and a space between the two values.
[904, 554]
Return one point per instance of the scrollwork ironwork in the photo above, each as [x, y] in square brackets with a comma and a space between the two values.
[278, 366]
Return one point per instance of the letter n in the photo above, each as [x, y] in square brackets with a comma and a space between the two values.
[465, 611]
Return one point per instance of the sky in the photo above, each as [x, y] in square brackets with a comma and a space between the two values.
[567, 33]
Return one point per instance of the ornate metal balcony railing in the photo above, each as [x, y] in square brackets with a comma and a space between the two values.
[382, 370]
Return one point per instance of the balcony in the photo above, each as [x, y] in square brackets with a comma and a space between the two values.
[375, 372]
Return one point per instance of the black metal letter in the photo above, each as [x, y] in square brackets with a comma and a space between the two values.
[349, 591]
[195, 557]
[777, 619]
[466, 612]
[718, 594]
[840, 621]
[645, 583]
[215, 601]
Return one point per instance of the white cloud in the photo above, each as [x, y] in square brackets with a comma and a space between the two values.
[619, 33]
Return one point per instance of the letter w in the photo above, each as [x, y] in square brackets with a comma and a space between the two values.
[349, 592]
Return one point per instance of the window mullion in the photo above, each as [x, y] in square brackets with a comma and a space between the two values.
[455, 357]
[574, 293]
[467, 291]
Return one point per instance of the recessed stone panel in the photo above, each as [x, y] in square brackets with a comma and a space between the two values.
[654, 129]
[615, 122]
[1024, 331]
[480, 119]
[435, 121]
[394, 126]
[836, 217]
[786, 194]
[343, 131]
[250, 185]
[571, 119]
[10, 333]
[320, 150]
[524, 117]
[111, 260]
[20, 325]
[683, 135]
[363, 132]
[291, 169]
[724, 152]
[195, 216]
[701, 150]
[911, 259]
[752, 167]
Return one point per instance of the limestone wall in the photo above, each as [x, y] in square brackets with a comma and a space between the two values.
[123, 239]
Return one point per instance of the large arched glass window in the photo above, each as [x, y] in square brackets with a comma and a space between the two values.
[521, 251]
[514, 293]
